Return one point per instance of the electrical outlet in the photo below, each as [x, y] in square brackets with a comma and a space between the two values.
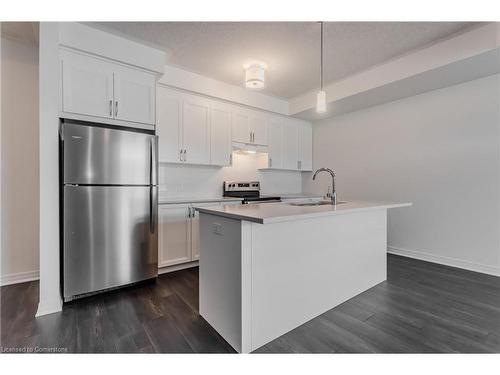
[217, 228]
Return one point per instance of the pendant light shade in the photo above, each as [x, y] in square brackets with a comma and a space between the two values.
[321, 97]
[321, 102]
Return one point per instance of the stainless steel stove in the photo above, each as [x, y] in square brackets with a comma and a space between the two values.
[248, 190]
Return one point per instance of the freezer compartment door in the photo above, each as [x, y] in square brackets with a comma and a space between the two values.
[102, 156]
[110, 237]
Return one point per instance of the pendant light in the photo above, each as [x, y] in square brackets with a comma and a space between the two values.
[321, 97]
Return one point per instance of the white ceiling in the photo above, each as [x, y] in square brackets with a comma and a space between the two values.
[291, 49]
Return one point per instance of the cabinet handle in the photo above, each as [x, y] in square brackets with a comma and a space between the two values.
[110, 108]
[116, 108]
[270, 162]
[231, 159]
[253, 137]
[250, 137]
[300, 164]
[185, 155]
[190, 212]
[180, 154]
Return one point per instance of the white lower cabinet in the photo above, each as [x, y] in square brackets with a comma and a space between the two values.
[179, 232]
[174, 230]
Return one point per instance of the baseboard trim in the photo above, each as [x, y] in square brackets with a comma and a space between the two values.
[177, 267]
[447, 261]
[20, 277]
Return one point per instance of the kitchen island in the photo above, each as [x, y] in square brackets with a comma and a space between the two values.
[267, 268]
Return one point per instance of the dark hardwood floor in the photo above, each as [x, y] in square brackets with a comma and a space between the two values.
[421, 308]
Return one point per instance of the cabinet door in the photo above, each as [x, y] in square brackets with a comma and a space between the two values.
[305, 148]
[220, 131]
[258, 127]
[134, 93]
[87, 85]
[275, 137]
[240, 126]
[290, 145]
[195, 228]
[168, 125]
[174, 228]
[196, 130]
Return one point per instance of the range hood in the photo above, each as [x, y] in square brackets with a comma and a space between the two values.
[249, 148]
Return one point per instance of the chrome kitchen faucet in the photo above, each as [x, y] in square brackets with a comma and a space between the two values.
[333, 195]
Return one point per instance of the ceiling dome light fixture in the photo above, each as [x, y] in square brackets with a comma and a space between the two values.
[321, 97]
[255, 75]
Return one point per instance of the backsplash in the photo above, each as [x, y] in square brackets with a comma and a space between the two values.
[181, 180]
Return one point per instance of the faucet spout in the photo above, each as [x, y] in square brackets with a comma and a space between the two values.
[333, 195]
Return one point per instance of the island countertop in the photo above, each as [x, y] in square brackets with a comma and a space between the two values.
[264, 213]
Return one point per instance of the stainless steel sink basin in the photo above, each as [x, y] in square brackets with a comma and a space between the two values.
[316, 203]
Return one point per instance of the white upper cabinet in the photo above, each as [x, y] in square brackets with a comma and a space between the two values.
[240, 125]
[134, 93]
[87, 85]
[258, 128]
[291, 145]
[193, 129]
[183, 127]
[305, 147]
[275, 137]
[98, 88]
[168, 125]
[196, 130]
[220, 134]
[249, 127]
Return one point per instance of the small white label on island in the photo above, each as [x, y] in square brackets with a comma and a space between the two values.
[217, 228]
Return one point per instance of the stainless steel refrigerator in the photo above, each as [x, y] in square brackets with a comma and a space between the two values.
[109, 207]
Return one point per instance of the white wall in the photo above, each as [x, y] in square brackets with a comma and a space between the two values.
[178, 180]
[19, 257]
[49, 288]
[439, 150]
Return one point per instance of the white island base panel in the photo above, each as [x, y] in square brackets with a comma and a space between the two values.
[259, 281]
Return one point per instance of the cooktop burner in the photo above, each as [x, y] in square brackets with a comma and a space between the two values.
[248, 190]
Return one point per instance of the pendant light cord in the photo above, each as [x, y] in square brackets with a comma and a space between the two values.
[321, 60]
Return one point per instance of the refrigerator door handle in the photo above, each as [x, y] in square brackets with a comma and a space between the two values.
[153, 161]
[153, 208]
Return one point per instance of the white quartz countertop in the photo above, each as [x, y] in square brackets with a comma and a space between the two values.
[198, 200]
[264, 213]
[175, 200]
[295, 195]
